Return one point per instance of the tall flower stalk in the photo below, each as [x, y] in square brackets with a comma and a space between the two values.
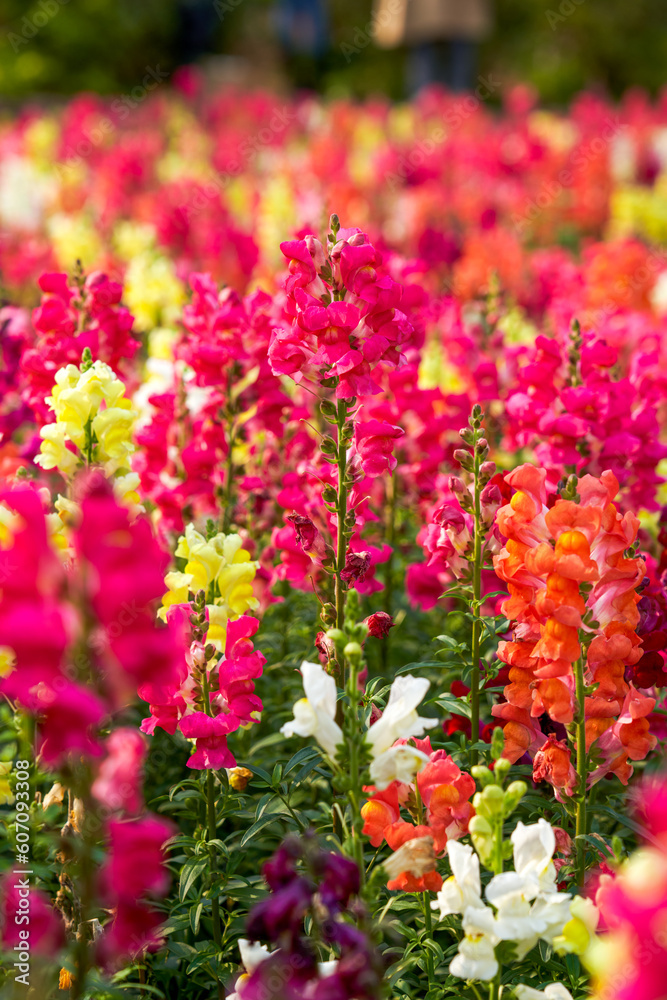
[474, 460]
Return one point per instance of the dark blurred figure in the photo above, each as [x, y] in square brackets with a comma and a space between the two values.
[441, 37]
[198, 22]
[303, 30]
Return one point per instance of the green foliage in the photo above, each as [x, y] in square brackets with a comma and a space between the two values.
[559, 46]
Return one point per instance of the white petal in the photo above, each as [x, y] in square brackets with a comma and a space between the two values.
[555, 991]
[252, 954]
[399, 719]
[399, 763]
[534, 846]
[475, 960]
[465, 868]
[319, 687]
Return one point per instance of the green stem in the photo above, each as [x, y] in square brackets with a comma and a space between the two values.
[582, 770]
[211, 833]
[354, 793]
[390, 538]
[86, 896]
[428, 928]
[476, 621]
[494, 986]
[89, 442]
[341, 511]
[498, 862]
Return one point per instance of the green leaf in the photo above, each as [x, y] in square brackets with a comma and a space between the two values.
[454, 705]
[195, 916]
[259, 772]
[263, 822]
[182, 950]
[190, 872]
[300, 757]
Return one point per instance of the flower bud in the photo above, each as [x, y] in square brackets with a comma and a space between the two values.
[352, 652]
[502, 767]
[481, 835]
[239, 778]
[490, 802]
[513, 795]
[328, 613]
[337, 636]
[464, 458]
[497, 743]
[482, 774]
[457, 486]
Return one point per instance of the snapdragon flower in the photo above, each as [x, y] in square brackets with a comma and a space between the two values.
[314, 715]
[223, 569]
[94, 421]
[554, 991]
[525, 905]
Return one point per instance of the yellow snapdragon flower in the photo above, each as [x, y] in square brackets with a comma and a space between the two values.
[152, 291]
[93, 414]
[223, 569]
[7, 660]
[579, 932]
[74, 237]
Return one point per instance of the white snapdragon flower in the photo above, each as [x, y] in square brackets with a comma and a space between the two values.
[400, 719]
[463, 889]
[555, 991]
[476, 956]
[315, 715]
[528, 907]
[534, 847]
[252, 955]
[399, 763]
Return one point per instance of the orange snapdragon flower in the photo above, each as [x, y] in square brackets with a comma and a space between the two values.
[550, 552]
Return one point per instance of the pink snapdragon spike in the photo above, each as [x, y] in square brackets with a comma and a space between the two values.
[118, 782]
[33, 584]
[60, 340]
[232, 699]
[124, 581]
[351, 336]
[135, 872]
[374, 442]
[633, 908]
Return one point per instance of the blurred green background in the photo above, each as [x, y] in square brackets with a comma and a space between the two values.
[53, 47]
